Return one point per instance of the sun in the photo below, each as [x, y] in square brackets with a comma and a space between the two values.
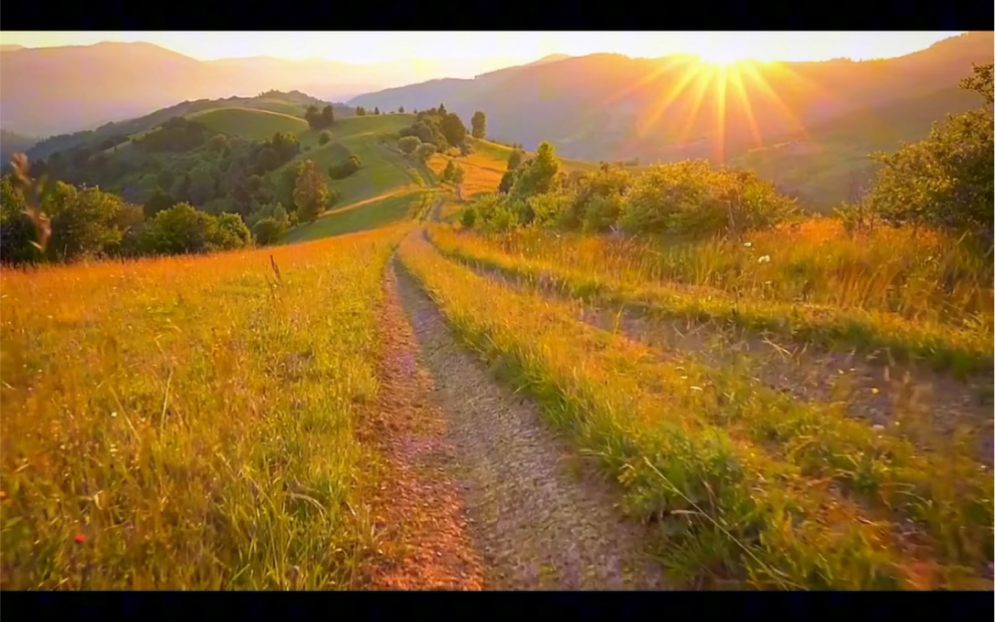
[723, 56]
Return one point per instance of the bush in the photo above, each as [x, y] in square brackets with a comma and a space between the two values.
[601, 213]
[344, 168]
[695, 199]
[324, 137]
[468, 217]
[946, 180]
[424, 151]
[268, 230]
[408, 144]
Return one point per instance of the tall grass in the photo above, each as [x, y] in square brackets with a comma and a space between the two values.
[693, 447]
[187, 423]
[918, 275]
[631, 272]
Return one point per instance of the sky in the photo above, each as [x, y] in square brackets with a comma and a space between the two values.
[375, 47]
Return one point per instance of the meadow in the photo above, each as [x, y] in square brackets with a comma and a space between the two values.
[749, 486]
[795, 405]
[190, 423]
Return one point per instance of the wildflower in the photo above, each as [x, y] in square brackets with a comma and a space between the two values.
[80, 538]
[877, 427]
[114, 414]
[875, 390]
[696, 389]
[764, 259]
[748, 245]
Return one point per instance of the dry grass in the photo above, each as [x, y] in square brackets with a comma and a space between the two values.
[948, 495]
[188, 423]
[725, 281]
[746, 482]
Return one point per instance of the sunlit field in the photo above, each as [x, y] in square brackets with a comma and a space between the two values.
[753, 485]
[189, 423]
[921, 296]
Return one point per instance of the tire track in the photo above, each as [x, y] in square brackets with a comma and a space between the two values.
[538, 517]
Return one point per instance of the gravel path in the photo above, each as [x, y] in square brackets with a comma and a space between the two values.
[538, 517]
[920, 401]
[420, 518]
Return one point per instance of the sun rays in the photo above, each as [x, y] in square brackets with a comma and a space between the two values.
[750, 100]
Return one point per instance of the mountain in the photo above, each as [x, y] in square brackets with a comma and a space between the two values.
[8, 47]
[293, 103]
[612, 107]
[11, 143]
[46, 91]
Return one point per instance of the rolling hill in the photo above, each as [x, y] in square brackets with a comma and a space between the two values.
[611, 107]
[11, 143]
[293, 103]
[86, 86]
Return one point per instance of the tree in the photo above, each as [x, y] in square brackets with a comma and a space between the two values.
[441, 110]
[424, 151]
[514, 160]
[82, 221]
[268, 230]
[158, 202]
[453, 174]
[408, 144]
[311, 192]
[507, 181]
[267, 160]
[180, 229]
[218, 143]
[536, 176]
[324, 137]
[360, 111]
[17, 232]
[327, 116]
[449, 171]
[313, 117]
[453, 129]
[376, 110]
[478, 123]
[400, 109]
[945, 180]
[203, 184]
[230, 232]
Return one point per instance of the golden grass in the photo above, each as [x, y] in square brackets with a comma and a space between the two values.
[187, 423]
[693, 447]
[921, 298]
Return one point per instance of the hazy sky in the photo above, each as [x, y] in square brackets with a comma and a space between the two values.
[372, 47]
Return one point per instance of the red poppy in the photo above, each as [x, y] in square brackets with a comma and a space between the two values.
[80, 538]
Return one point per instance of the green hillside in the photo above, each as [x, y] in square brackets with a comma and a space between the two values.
[383, 168]
[822, 163]
[248, 123]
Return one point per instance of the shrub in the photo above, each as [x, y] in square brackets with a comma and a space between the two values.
[344, 168]
[268, 230]
[408, 144]
[324, 137]
[468, 217]
[424, 151]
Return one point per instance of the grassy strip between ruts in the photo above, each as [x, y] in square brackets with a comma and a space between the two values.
[188, 423]
[948, 493]
[944, 347]
[730, 508]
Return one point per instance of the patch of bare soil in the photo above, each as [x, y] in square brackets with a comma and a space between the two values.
[538, 516]
[924, 405]
[420, 514]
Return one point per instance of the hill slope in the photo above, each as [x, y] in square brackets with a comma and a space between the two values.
[610, 107]
[85, 86]
[293, 103]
